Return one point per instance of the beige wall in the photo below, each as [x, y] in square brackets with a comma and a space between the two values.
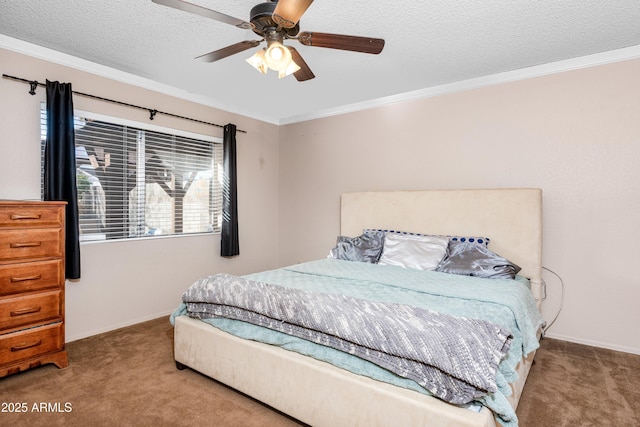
[575, 134]
[127, 282]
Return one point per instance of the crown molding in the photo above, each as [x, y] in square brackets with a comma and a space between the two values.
[627, 53]
[66, 60]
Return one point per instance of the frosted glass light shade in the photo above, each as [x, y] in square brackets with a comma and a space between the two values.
[258, 62]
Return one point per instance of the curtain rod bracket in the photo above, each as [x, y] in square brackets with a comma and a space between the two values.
[33, 85]
[152, 114]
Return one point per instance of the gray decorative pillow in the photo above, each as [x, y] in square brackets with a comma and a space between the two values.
[471, 259]
[364, 248]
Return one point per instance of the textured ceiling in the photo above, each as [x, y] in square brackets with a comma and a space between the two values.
[428, 44]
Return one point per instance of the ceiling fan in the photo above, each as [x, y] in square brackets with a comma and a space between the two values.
[276, 21]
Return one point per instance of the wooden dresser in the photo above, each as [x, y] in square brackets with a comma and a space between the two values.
[31, 285]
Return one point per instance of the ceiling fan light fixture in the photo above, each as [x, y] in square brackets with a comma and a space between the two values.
[257, 61]
[288, 13]
[275, 21]
[277, 56]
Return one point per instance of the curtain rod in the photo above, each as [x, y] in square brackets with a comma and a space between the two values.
[152, 112]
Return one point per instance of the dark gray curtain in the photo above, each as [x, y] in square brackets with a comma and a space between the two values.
[60, 168]
[229, 243]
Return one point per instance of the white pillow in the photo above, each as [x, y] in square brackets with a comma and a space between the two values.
[413, 251]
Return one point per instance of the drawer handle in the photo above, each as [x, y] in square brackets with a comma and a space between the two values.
[26, 346]
[18, 217]
[23, 311]
[25, 245]
[24, 279]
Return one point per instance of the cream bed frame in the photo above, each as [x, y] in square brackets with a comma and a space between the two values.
[321, 394]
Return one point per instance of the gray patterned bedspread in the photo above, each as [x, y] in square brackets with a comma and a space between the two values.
[455, 358]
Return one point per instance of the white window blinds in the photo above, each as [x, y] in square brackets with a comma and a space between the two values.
[135, 182]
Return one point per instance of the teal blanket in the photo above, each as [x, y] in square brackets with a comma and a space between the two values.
[508, 303]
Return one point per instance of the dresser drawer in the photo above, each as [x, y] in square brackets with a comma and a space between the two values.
[30, 308]
[31, 276]
[31, 342]
[16, 214]
[35, 243]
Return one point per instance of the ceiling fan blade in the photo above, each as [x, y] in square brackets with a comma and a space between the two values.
[203, 11]
[229, 50]
[340, 41]
[304, 73]
[288, 12]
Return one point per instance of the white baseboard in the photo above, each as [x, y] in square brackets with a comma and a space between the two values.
[592, 343]
[110, 328]
[560, 337]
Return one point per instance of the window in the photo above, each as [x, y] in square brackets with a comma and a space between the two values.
[136, 181]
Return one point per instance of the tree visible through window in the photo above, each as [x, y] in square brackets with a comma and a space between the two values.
[135, 182]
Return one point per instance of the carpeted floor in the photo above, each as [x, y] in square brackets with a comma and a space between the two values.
[577, 385]
[128, 378]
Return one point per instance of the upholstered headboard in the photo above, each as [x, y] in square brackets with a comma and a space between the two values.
[511, 218]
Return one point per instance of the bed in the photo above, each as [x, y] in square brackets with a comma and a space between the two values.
[319, 393]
